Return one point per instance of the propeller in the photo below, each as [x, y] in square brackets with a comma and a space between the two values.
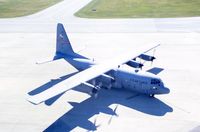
[109, 86]
[141, 64]
[96, 88]
[93, 82]
[95, 92]
[153, 57]
[146, 57]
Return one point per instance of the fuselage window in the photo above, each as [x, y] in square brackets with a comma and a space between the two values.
[155, 81]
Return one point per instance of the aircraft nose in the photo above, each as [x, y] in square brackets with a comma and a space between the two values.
[165, 90]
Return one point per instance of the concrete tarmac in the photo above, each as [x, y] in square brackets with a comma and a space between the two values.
[45, 21]
[114, 110]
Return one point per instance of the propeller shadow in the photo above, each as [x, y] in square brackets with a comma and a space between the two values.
[80, 114]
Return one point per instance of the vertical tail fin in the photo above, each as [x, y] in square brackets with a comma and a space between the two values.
[63, 45]
[64, 50]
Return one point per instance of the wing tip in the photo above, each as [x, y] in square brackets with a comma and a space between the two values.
[32, 100]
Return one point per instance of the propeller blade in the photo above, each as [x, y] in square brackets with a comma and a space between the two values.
[154, 52]
[151, 63]
[94, 82]
[153, 57]
[96, 89]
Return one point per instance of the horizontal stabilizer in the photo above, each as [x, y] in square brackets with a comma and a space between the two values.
[48, 60]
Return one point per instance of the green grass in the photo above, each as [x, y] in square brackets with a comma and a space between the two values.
[140, 9]
[16, 8]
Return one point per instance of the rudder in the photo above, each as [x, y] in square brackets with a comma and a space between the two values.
[63, 45]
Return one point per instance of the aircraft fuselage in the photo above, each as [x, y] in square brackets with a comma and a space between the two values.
[141, 82]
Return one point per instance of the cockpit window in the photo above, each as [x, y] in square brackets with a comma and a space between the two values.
[155, 81]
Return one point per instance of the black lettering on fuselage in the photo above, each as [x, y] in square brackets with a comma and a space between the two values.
[137, 81]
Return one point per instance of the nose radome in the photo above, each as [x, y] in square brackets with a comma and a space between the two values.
[166, 90]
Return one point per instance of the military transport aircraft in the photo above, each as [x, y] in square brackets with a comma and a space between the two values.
[109, 74]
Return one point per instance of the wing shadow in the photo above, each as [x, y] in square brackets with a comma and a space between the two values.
[50, 84]
[80, 114]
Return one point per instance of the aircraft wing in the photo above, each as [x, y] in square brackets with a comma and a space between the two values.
[88, 74]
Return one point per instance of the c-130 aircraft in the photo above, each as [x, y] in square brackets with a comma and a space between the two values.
[108, 74]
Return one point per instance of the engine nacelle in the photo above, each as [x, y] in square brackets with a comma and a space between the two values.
[106, 79]
[135, 64]
[146, 57]
[88, 85]
[103, 80]
[94, 89]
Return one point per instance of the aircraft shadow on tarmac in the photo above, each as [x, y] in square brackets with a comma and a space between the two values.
[80, 114]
